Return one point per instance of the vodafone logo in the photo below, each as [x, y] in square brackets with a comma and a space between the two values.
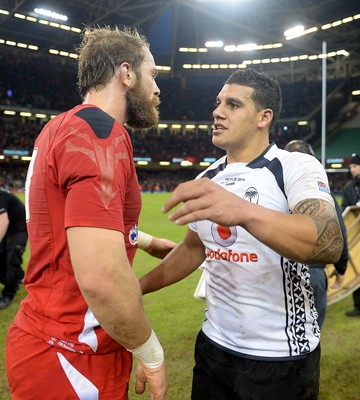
[226, 237]
[223, 235]
[230, 255]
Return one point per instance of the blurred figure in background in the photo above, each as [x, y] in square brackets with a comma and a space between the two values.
[318, 278]
[351, 197]
[13, 239]
[351, 191]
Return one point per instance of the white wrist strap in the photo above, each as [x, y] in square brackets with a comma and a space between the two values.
[144, 240]
[151, 352]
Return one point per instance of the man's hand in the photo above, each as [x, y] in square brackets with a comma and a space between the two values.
[204, 199]
[339, 279]
[160, 247]
[156, 247]
[155, 377]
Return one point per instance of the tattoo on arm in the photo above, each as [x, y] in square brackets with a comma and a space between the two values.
[330, 241]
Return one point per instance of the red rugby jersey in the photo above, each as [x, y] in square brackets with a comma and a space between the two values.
[81, 174]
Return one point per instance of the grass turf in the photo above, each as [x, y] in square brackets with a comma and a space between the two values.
[176, 317]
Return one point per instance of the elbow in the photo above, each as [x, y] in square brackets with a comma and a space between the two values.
[91, 292]
[94, 289]
[327, 254]
[339, 248]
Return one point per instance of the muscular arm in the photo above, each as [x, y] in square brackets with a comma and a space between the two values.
[310, 235]
[178, 264]
[108, 283]
[329, 242]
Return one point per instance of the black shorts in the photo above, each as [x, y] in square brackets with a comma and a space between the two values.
[219, 375]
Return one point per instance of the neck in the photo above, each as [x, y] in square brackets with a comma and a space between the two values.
[247, 153]
[109, 100]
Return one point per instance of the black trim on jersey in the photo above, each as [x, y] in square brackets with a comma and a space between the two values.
[100, 122]
[274, 166]
[213, 172]
[260, 161]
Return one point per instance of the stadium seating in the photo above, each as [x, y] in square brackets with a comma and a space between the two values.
[49, 86]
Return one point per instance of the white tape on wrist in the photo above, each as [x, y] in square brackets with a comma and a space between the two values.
[151, 352]
[144, 240]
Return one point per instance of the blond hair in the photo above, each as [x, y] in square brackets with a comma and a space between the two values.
[102, 50]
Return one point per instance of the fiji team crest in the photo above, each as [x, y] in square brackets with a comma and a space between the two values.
[252, 195]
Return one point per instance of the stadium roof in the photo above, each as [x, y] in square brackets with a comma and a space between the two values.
[174, 24]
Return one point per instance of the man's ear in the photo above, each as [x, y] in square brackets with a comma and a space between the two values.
[266, 117]
[126, 75]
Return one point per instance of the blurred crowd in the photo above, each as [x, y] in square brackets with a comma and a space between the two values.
[51, 85]
[13, 176]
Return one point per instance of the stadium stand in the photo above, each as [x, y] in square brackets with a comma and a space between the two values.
[48, 86]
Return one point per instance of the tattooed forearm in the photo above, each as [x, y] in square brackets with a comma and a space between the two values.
[330, 241]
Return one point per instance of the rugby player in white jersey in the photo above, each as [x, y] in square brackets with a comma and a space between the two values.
[257, 217]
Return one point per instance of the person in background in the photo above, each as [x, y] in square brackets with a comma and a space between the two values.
[83, 317]
[351, 191]
[13, 240]
[258, 216]
[351, 197]
[318, 278]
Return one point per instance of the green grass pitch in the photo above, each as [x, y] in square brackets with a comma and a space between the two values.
[176, 316]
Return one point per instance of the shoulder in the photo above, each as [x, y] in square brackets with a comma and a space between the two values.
[5, 195]
[349, 185]
[300, 164]
[99, 121]
[4, 201]
[291, 158]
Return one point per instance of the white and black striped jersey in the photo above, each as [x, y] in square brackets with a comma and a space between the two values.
[260, 304]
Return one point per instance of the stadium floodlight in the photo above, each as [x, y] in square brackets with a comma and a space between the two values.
[225, 1]
[246, 46]
[296, 30]
[50, 14]
[214, 43]
[251, 47]
[186, 163]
